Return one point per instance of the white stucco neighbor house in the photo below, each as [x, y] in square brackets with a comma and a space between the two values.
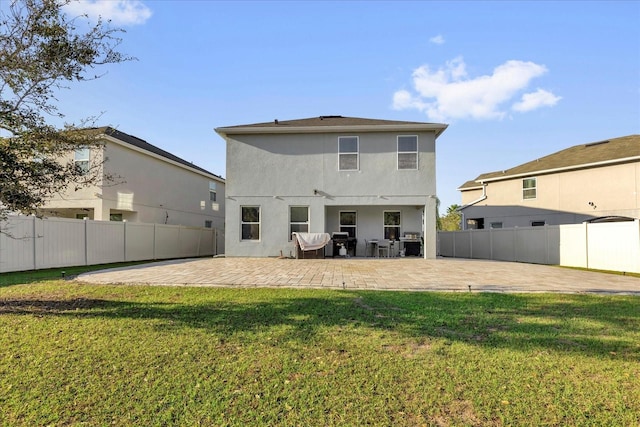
[152, 186]
[371, 179]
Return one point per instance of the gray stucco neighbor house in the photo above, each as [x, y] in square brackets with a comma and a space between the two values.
[373, 179]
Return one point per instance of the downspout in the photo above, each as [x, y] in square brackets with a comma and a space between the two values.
[478, 200]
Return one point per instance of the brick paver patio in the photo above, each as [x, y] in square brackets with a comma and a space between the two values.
[411, 274]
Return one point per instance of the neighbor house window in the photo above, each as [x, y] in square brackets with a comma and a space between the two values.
[348, 153]
[298, 219]
[250, 222]
[348, 222]
[81, 159]
[208, 223]
[212, 191]
[115, 217]
[391, 225]
[538, 223]
[495, 225]
[408, 152]
[529, 188]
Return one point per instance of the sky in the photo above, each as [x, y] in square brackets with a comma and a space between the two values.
[513, 80]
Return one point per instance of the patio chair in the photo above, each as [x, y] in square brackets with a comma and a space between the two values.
[383, 248]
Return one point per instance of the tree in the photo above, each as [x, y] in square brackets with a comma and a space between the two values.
[452, 220]
[43, 51]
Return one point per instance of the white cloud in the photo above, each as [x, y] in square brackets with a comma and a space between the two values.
[120, 12]
[437, 39]
[449, 93]
[534, 100]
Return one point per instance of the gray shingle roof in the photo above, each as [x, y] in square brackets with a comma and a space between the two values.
[576, 157]
[327, 122]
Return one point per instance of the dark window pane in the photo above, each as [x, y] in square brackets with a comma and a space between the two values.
[392, 218]
[347, 218]
[392, 233]
[407, 143]
[299, 214]
[348, 161]
[250, 231]
[348, 144]
[250, 214]
[407, 160]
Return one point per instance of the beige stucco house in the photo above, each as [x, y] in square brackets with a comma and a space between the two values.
[370, 179]
[151, 185]
[577, 184]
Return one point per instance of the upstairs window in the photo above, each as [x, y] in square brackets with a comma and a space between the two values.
[408, 152]
[529, 188]
[81, 159]
[212, 191]
[348, 153]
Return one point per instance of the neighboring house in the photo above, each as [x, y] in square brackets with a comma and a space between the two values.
[577, 184]
[151, 186]
[372, 179]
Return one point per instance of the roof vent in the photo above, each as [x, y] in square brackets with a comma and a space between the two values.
[330, 117]
[275, 121]
[596, 143]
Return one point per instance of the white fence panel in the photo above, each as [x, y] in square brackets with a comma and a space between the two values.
[29, 243]
[59, 242]
[139, 241]
[504, 244]
[16, 245]
[573, 245]
[105, 242]
[462, 244]
[481, 244]
[189, 243]
[614, 246]
[166, 245]
[606, 246]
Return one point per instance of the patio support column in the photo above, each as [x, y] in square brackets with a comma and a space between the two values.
[429, 217]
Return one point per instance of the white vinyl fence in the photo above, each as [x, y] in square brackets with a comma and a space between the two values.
[30, 243]
[611, 246]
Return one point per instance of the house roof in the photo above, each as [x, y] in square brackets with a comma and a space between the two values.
[323, 124]
[144, 145]
[593, 154]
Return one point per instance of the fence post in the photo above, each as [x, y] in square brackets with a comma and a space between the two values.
[86, 242]
[35, 247]
[586, 243]
[124, 231]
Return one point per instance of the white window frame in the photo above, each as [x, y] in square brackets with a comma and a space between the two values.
[251, 223]
[407, 152]
[349, 153]
[354, 226]
[533, 189]
[298, 223]
[80, 161]
[386, 226]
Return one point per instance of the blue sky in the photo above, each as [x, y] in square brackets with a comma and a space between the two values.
[514, 80]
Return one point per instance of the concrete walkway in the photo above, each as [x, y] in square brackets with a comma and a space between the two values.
[410, 274]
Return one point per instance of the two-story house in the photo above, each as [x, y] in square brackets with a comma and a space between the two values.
[150, 185]
[580, 183]
[372, 179]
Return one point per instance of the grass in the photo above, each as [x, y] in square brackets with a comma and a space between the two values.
[77, 354]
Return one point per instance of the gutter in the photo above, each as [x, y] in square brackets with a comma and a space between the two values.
[481, 198]
[245, 130]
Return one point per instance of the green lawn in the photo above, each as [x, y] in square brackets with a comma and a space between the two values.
[75, 354]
